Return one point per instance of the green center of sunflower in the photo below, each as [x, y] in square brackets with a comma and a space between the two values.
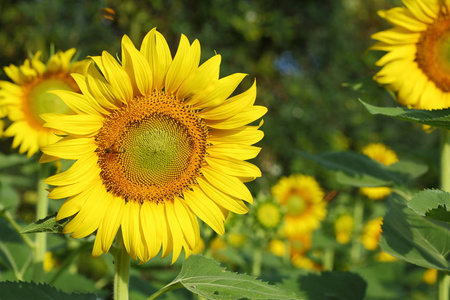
[43, 102]
[433, 53]
[151, 149]
[295, 205]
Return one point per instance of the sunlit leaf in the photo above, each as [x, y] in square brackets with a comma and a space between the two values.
[415, 239]
[433, 204]
[437, 118]
[31, 290]
[47, 224]
[205, 277]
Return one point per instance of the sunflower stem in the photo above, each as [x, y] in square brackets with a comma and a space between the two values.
[121, 270]
[444, 279]
[328, 259]
[358, 218]
[41, 212]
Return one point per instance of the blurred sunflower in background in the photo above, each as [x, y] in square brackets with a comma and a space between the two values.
[158, 142]
[24, 99]
[303, 201]
[385, 156]
[343, 228]
[371, 237]
[417, 65]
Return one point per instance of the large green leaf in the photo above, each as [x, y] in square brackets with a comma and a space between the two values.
[333, 285]
[205, 277]
[437, 118]
[415, 239]
[434, 204]
[33, 291]
[359, 170]
[47, 224]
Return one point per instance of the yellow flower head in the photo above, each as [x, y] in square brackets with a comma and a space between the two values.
[158, 142]
[372, 233]
[385, 156]
[430, 276]
[49, 262]
[278, 247]
[343, 228]
[417, 65]
[303, 262]
[26, 98]
[268, 215]
[236, 240]
[304, 204]
[385, 257]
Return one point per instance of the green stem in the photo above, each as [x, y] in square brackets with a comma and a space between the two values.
[358, 218]
[41, 212]
[445, 160]
[444, 279]
[165, 289]
[328, 259]
[121, 270]
[7, 215]
[443, 285]
[257, 261]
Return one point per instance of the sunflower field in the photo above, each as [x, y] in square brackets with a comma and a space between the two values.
[225, 149]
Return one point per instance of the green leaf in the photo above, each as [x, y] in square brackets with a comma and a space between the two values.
[415, 239]
[205, 277]
[440, 213]
[359, 170]
[333, 285]
[9, 160]
[437, 118]
[33, 291]
[433, 204]
[47, 224]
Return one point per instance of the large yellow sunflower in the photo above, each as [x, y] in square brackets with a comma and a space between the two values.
[304, 204]
[417, 65]
[25, 99]
[382, 154]
[158, 142]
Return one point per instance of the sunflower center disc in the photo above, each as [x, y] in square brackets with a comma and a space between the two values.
[43, 102]
[433, 53]
[295, 205]
[151, 149]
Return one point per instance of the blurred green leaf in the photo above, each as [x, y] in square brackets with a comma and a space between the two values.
[48, 224]
[205, 277]
[11, 160]
[440, 214]
[33, 291]
[359, 170]
[333, 285]
[415, 239]
[436, 118]
[432, 204]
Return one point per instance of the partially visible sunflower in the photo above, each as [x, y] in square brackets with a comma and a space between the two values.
[26, 98]
[417, 65]
[343, 228]
[304, 204]
[385, 156]
[158, 142]
[372, 233]
[268, 214]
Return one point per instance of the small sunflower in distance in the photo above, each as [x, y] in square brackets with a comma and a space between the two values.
[385, 156]
[303, 201]
[158, 142]
[417, 65]
[26, 98]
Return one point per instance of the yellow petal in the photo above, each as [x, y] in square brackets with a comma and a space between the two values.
[227, 184]
[87, 125]
[205, 209]
[137, 68]
[131, 228]
[186, 60]
[242, 152]
[156, 51]
[396, 36]
[149, 228]
[71, 148]
[76, 102]
[242, 118]
[232, 166]
[401, 16]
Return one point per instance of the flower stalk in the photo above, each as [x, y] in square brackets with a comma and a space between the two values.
[41, 212]
[121, 269]
[443, 278]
